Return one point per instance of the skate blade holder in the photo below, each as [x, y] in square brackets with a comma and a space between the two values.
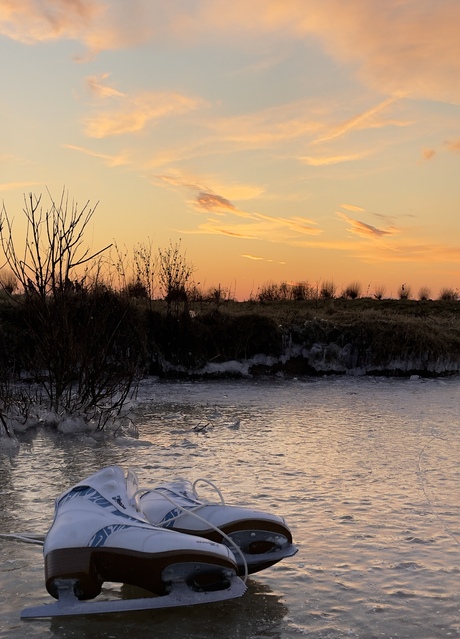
[180, 595]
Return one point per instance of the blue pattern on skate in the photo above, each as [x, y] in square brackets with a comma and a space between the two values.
[169, 519]
[93, 495]
[100, 537]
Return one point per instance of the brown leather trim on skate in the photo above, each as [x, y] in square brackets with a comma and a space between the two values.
[243, 524]
[91, 566]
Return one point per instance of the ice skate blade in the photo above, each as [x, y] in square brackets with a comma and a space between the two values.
[180, 595]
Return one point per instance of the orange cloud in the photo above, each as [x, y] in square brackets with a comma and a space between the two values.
[17, 185]
[275, 124]
[98, 24]
[234, 234]
[211, 201]
[453, 145]
[334, 159]
[369, 119]
[29, 21]
[396, 47]
[263, 259]
[236, 222]
[364, 230]
[270, 128]
[137, 111]
[297, 224]
[353, 207]
[252, 257]
[209, 185]
[258, 226]
[97, 86]
[428, 154]
[179, 180]
[110, 160]
[406, 252]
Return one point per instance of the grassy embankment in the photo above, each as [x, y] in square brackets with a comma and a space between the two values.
[392, 337]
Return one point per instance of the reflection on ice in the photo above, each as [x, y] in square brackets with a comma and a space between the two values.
[365, 471]
[259, 613]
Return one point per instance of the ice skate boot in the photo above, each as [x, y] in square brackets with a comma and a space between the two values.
[98, 536]
[262, 539]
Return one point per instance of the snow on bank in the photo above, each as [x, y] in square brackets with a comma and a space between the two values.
[322, 359]
[316, 359]
[121, 427]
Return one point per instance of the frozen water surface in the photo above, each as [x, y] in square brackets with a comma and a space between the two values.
[365, 471]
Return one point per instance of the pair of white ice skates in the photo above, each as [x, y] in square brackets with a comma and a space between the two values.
[164, 540]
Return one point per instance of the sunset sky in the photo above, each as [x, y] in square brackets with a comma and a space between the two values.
[280, 140]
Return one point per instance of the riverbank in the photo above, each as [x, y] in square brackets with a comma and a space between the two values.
[79, 364]
[312, 337]
[204, 339]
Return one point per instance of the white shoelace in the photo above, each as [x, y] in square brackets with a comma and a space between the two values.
[192, 511]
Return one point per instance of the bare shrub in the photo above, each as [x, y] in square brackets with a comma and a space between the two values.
[122, 268]
[144, 267]
[195, 293]
[301, 291]
[135, 274]
[174, 275]
[352, 291]
[298, 292]
[327, 290]
[78, 337]
[8, 281]
[424, 294]
[218, 294]
[448, 295]
[379, 292]
[285, 291]
[137, 289]
[268, 293]
[404, 292]
[53, 248]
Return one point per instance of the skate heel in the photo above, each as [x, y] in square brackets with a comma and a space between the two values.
[76, 564]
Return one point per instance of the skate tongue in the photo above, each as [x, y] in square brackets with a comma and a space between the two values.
[108, 487]
[180, 595]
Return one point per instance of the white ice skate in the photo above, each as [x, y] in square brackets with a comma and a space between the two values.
[97, 536]
[262, 539]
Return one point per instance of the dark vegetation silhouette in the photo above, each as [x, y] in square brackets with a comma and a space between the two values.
[78, 342]
[80, 328]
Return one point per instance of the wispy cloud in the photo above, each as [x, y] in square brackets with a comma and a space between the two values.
[35, 21]
[281, 230]
[334, 159]
[428, 154]
[256, 258]
[269, 126]
[369, 119]
[212, 201]
[252, 257]
[97, 85]
[235, 222]
[406, 252]
[453, 145]
[209, 185]
[99, 25]
[111, 160]
[363, 229]
[179, 180]
[9, 186]
[395, 46]
[135, 112]
[283, 130]
[352, 207]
